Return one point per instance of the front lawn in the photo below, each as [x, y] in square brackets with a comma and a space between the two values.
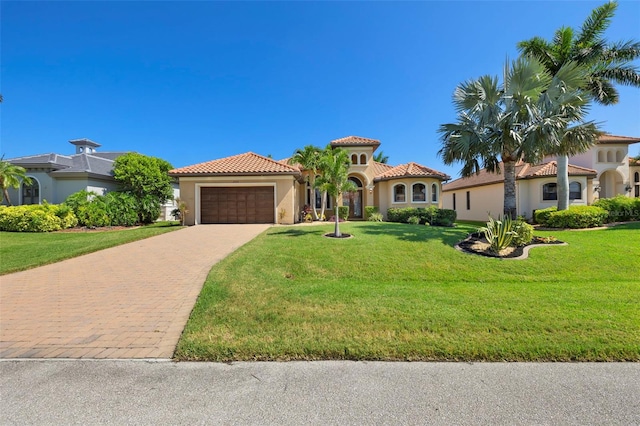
[402, 292]
[25, 250]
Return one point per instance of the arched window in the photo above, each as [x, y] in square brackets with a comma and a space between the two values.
[354, 158]
[418, 193]
[399, 193]
[619, 156]
[31, 192]
[434, 193]
[636, 177]
[549, 191]
[601, 156]
[575, 191]
[363, 158]
[609, 156]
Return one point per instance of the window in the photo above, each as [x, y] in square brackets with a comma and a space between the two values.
[363, 158]
[31, 193]
[550, 191]
[575, 191]
[636, 177]
[354, 158]
[454, 200]
[609, 156]
[319, 200]
[619, 156]
[419, 192]
[468, 200]
[601, 157]
[399, 194]
[434, 193]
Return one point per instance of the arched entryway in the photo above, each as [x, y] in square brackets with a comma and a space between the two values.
[611, 184]
[354, 199]
[30, 193]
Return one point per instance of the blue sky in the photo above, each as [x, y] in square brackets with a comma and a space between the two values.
[195, 81]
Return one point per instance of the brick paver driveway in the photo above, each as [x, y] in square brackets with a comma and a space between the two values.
[130, 301]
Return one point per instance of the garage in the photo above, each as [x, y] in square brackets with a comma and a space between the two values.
[237, 204]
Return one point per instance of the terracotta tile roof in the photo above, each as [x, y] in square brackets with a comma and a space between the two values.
[634, 162]
[242, 164]
[355, 141]
[612, 139]
[410, 170]
[380, 168]
[523, 171]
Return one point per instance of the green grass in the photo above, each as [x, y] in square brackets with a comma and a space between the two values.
[402, 292]
[25, 250]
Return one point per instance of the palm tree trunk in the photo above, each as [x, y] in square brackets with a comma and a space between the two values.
[563, 182]
[509, 188]
[324, 204]
[336, 231]
[6, 196]
[312, 196]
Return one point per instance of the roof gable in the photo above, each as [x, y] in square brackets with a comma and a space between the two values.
[411, 169]
[241, 164]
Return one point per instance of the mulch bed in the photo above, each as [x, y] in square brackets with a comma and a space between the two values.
[475, 243]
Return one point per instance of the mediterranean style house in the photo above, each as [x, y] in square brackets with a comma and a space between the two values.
[56, 176]
[250, 188]
[606, 170]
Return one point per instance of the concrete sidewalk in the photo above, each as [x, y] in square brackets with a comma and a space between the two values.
[318, 393]
[129, 301]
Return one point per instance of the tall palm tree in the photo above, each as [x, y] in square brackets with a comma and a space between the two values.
[10, 177]
[521, 119]
[335, 163]
[606, 63]
[309, 158]
[381, 158]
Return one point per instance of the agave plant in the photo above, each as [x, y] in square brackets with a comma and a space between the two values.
[499, 233]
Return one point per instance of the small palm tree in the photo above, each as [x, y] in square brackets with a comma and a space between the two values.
[309, 158]
[381, 158]
[10, 177]
[335, 163]
[606, 63]
[521, 119]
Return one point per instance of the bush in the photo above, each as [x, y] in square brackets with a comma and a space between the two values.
[36, 218]
[400, 215]
[343, 212]
[542, 216]
[578, 217]
[524, 233]
[121, 208]
[499, 233]
[368, 211]
[620, 208]
[414, 220]
[375, 217]
[432, 215]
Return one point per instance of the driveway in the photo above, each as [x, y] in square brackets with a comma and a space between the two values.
[130, 301]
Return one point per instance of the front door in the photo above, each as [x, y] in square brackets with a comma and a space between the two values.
[354, 200]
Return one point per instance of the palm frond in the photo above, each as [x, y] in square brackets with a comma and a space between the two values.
[596, 24]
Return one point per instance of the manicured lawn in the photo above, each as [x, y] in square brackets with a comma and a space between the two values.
[402, 292]
[25, 250]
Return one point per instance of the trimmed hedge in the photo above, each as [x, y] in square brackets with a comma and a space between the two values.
[343, 212]
[578, 217]
[368, 211]
[431, 215]
[36, 218]
[620, 208]
[542, 216]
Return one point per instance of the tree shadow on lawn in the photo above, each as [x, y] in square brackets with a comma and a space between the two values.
[449, 236]
[298, 232]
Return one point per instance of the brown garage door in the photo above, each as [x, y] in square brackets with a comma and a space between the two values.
[236, 204]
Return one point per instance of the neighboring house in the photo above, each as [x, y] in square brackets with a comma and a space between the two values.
[56, 176]
[602, 172]
[250, 188]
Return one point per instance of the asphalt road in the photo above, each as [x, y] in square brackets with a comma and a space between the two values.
[56, 392]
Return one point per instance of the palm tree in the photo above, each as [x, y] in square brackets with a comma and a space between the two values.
[335, 163]
[522, 119]
[381, 158]
[10, 177]
[309, 158]
[606, 64]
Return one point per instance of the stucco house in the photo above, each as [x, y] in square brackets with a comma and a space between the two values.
[56, 176]
[251, 188]
[602, 172]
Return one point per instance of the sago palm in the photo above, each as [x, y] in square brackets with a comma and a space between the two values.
[605, 63]
[521, 119]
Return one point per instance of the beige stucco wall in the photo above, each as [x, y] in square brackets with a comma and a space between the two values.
[383, 194]
[635, 185]
[286, 194]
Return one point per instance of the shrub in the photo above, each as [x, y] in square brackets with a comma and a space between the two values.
[542, 216]
[432, 215]
[620, 208]
[414, 220]
[368, 211]
[121, 209]
[400, 215]
[499, 233]
[445, 217]
[375, 217]
[35, 218]
[578, 217]
[343, 212]
[524, 233]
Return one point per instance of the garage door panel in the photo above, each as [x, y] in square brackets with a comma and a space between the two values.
[236, 204]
